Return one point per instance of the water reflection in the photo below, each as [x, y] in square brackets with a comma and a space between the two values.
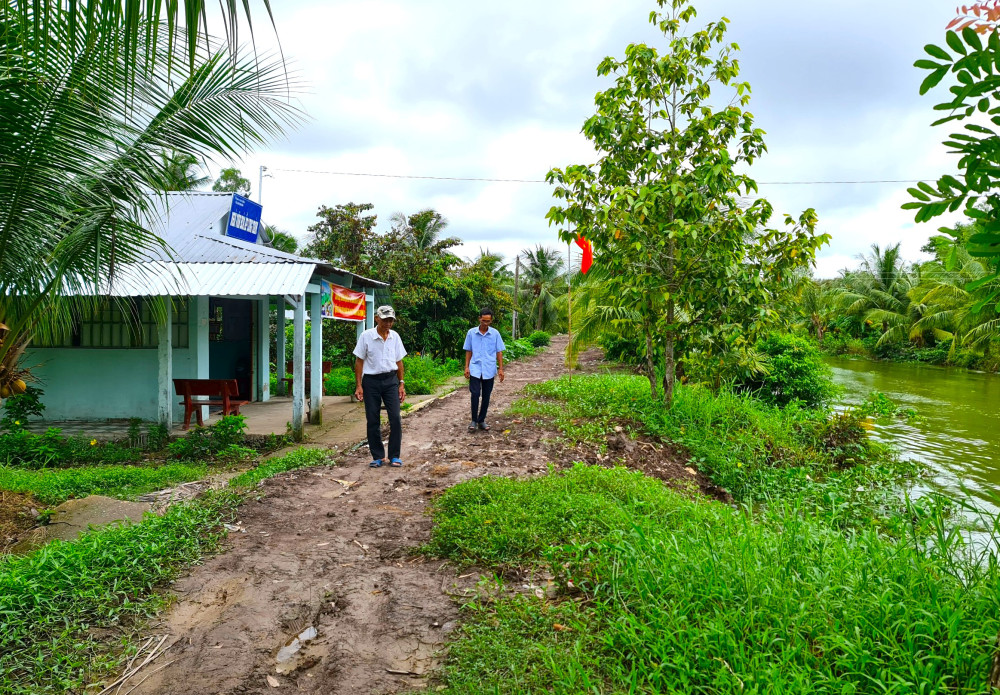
[958, 431]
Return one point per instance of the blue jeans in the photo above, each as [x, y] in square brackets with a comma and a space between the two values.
[379, 389]
[477, 386]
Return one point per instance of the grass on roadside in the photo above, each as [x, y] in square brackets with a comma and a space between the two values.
[56, 485]
[665, 594]
[52, 598]
[755, 451]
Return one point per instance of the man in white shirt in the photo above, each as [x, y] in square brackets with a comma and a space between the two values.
[378, 375]
[483, 362]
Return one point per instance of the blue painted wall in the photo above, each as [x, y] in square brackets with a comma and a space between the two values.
[98, 384]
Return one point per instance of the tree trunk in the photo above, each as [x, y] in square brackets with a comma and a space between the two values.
[650, 367]
[669, 335]
[669, 364]
[541, 306]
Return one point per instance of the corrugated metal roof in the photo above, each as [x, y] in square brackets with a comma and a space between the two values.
[161, 278]
[199, 260]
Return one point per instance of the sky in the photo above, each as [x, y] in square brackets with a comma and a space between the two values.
[451, 88]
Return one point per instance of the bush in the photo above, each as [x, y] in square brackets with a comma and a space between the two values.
[795, 372]
[24, 449]
[539, 339]
[516, 349]
[339, 382]
[208, 442]
[424, 374]
[17, 410]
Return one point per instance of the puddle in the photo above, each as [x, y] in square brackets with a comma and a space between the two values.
[287, 661]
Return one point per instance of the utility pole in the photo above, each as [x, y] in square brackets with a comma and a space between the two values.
[517, 296]
[260, 185]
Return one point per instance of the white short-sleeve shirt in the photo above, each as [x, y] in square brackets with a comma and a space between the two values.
[380, 356]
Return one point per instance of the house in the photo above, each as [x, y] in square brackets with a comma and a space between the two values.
[120, 361]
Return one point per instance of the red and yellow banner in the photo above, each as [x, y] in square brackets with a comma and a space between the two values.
[342, 303]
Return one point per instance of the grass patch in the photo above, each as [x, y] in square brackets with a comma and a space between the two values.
[299, 458]
[52, 598]
[756, 451]
[56, 485]
[663, 594]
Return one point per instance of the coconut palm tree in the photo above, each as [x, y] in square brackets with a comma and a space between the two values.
[879, 292]
[543, 281]
[282, 241]
[423, 229]
[91, 97]
[180, 172]
[956, 314]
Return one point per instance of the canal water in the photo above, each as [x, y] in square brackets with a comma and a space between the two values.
[957, 433]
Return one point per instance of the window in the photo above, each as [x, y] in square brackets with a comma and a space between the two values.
[127, 323]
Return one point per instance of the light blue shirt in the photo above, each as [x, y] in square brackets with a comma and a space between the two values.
[484, 349]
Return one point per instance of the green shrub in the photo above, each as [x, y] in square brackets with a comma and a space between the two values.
[795, 372]
[517, 349]
[539, 339]
[207, 442]
[52, 450]
[339, 382]
[424, 374]
[17, 410]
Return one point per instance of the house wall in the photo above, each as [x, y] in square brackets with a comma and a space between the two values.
[98, 384]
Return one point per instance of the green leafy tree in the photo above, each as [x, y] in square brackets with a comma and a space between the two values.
[879, 293]
[423, 230]
[665, 203]
[282, 241]
[345, 236]
[544, 281]
[180, 172]
[74, 187]
[973, 62]
[231, 181]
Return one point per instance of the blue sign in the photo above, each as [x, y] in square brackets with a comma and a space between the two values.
[244, 219]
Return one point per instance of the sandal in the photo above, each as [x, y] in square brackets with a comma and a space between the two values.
[472, 427]
[483, 426]
[396, 462]
[377, 463]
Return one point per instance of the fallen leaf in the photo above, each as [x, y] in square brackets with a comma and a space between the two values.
[539, 592]
[320, 545]
[559, 628]
[273, 682]
[690, 470]
[346, 483]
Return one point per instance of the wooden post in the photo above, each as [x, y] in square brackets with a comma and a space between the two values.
[569, 304]
[264, 349]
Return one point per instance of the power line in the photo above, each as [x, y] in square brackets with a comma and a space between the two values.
[497, 180]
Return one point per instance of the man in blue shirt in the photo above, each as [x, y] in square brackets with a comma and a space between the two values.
[483, 362]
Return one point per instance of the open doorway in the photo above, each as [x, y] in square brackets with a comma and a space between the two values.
[230, 342]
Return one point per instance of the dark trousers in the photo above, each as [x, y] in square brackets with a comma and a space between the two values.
[479, 386]
[379, 389]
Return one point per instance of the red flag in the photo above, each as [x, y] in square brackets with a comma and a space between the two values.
[588, 254]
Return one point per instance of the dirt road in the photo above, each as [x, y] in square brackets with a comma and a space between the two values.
[330, 550]
[315, 553]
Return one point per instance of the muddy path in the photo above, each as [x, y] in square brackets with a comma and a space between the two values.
[330, 550]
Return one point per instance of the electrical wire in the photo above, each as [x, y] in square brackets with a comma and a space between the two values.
[499, 180]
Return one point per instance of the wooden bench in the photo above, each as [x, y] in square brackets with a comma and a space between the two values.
[222, 392]
[327, 368]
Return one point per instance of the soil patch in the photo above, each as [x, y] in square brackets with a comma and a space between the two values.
[318, 590]
[17, 515]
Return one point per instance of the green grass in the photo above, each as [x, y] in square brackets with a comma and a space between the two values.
[56, 485]
[50, 599]
[662, 594]
[299, 458]
[755, 451]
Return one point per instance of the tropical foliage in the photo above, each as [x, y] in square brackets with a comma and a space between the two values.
[689, 256]
[96, 107]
